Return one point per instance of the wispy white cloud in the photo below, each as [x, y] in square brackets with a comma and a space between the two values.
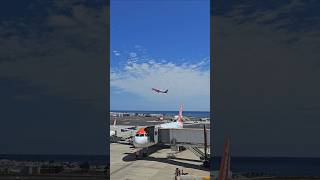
[186, 83]
[132, 54]
[116, 53]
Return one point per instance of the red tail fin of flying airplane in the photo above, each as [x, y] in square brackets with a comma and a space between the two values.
[225, 161]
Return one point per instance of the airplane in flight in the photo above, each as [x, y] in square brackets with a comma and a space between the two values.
[142, 139]
[159, 91]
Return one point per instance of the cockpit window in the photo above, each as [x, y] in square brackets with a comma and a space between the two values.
[140, 135]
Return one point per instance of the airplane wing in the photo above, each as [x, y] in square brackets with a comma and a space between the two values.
[159, 91]
[156, 90]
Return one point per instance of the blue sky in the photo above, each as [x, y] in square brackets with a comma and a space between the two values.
[162, 44]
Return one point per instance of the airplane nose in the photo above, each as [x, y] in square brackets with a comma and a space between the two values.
[112, 133]
[140, 141]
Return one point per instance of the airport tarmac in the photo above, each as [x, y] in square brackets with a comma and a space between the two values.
[157, 166]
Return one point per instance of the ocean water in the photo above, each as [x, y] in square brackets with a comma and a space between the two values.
[198, 114]
[279, 166]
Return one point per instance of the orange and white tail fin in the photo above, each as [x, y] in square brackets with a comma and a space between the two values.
[180, 114]
[225, 161]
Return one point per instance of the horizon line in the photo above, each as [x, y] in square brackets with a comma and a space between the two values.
[163, 110]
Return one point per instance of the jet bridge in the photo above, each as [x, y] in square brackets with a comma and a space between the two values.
[188, 137]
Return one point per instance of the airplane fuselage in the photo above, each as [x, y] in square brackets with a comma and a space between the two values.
[142, 139]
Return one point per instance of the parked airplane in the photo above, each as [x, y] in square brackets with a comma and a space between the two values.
[159, 91]
[142, 138]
